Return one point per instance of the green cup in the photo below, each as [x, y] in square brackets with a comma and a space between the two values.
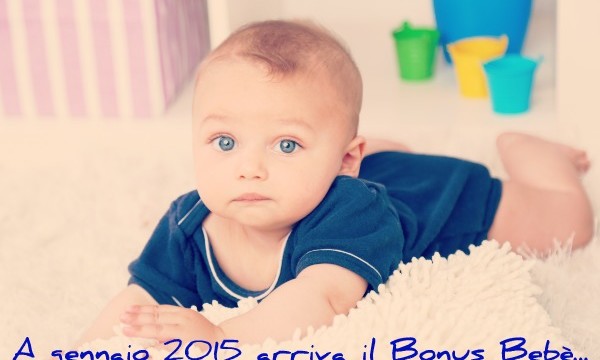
[416, 49]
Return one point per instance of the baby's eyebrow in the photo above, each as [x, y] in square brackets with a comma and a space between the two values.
[291, 122]
[214, 117]
[296, 122]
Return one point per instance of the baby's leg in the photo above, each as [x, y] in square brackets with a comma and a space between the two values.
[543, 198]
[379, 145]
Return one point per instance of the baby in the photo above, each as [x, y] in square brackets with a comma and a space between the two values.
[295, 209]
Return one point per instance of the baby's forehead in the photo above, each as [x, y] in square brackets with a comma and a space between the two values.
[224, 76]
[234, 72]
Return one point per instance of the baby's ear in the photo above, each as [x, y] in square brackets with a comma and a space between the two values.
[353, 157]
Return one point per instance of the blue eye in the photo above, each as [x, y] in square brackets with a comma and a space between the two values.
[288, 146]
[225, 143]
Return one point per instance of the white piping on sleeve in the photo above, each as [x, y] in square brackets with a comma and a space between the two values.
[346, 253]
[189, 212]
[177, 301]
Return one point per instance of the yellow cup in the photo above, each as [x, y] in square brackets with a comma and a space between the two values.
[468, 56]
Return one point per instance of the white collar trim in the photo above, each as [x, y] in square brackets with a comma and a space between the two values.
[228, 290]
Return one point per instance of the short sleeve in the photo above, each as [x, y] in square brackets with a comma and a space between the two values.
[356, 227]
[165, 267]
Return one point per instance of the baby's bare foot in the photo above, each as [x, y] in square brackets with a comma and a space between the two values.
[577, 157]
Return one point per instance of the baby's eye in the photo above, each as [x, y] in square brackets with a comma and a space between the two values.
[287, 146]
[224, 143]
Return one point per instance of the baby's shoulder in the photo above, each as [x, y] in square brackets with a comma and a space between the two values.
[347, 199]
[184, 203]
[350, 190]
[184, 207]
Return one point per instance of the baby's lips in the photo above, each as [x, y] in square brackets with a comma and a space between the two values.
[251, 197]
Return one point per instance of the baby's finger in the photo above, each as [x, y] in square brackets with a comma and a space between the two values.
[153, 308]
[149, 313]
[158, 332]
[153, 318]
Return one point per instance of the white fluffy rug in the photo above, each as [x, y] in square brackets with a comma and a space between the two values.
[77, 204]
[472, 303]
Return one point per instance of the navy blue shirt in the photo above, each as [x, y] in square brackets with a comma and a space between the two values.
[355, 226]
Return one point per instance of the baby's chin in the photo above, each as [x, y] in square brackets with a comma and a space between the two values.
[267, 225]
[260, 220]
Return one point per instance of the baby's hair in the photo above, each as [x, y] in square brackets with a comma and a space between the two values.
[288, 48]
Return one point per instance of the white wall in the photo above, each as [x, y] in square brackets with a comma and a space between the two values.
[541, 40]
[227, 15]
[578, 58]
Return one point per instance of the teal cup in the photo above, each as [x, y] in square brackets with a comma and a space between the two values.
[510, 82]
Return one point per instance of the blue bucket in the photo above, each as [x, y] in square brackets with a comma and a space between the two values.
[510, 81]
[458, 19]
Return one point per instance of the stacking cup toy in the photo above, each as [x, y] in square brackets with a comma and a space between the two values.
[510, 79]
[460, 19]
[416, 49]
[468, 56]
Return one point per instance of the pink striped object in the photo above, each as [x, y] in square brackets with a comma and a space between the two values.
[97, 58]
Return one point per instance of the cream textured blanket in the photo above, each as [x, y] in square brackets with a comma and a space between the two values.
[483, 305]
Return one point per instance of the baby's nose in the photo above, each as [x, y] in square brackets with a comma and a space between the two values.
[252, 165]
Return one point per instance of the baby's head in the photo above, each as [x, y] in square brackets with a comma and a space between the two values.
[275, 113]
[288, 50]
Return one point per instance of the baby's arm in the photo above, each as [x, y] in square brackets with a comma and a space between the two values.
[312, 299]
[103, 326]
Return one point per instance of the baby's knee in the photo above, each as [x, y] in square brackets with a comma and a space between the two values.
[575, 219]
[584, 229]
[533, 217]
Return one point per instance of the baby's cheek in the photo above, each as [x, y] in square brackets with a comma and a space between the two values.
[308, 198]
[209, 187]
[207, 170]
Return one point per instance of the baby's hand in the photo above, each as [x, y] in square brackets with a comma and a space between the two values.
[167, 322]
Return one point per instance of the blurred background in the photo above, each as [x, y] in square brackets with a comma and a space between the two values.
[87, 64]
[95, 108]
[133, 59]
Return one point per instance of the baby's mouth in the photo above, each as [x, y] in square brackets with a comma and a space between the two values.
[251, 197]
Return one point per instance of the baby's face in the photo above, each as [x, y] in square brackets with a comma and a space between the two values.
[266, 151]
